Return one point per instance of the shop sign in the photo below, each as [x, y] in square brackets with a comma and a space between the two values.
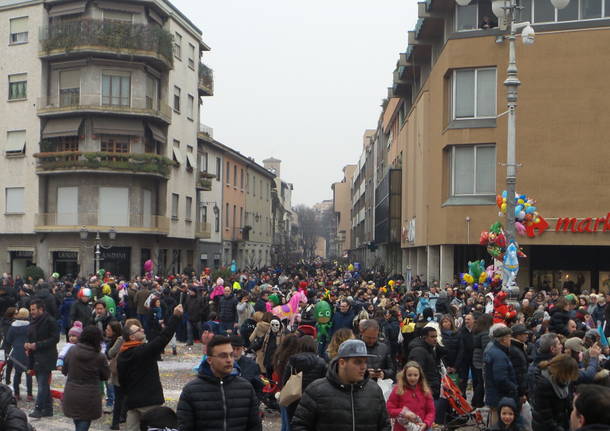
[115, 254]
[66, 255]
[22, 254]
[572, 224]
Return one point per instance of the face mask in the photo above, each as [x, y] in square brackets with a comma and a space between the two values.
[275, 326]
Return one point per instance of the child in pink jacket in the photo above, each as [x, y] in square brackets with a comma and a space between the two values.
[411, 400]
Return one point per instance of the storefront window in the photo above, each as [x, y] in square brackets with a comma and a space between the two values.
[574, 281]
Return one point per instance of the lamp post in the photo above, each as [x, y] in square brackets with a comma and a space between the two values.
[98, 246]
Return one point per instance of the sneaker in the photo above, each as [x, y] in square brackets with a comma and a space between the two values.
[36, 414]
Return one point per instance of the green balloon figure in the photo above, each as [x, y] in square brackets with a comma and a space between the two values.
[323, 314]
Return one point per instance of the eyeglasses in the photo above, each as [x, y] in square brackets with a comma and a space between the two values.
[221, 356]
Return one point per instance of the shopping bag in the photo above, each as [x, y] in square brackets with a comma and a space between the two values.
[386, 387]
[292, 390]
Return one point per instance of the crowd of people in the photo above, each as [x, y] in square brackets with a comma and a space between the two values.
[330, 347]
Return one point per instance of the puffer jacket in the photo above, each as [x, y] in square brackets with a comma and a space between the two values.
[227, 309]
[382, 360]
[209, 403]
[11, 418]
[328, 404]
[426, 356]
[551, 413]
[16, 337]
[500, 378]
[452, 344]
[479, 343]
[313, 368]
[81, 312]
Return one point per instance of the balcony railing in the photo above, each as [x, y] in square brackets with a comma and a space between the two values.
[206, 80]
[102, 221]
[203, 230]
[147, 164]
[116, 36]
[75, 101]
[204, 183]
[206, 132]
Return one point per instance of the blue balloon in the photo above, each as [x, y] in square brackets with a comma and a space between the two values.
[518, 210]
[530, 210]
[504, 194]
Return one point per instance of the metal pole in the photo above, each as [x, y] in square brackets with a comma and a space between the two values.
[512, 85]
[97, 252]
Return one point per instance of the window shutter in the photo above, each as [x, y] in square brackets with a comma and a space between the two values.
[14, 199]
[20, 77]
[15, 141]
[19, 25]
[69, 79]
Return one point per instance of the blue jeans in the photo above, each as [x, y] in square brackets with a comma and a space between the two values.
[44, 403]
[81, 425]
[109, 394]
[17, 381]
[227, 326]
[285, 419]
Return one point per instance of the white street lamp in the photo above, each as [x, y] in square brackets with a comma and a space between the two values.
[498, 8]
[462, 2]
[560, 4]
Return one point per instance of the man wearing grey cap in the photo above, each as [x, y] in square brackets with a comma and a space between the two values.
[500, 378]
[346, 399]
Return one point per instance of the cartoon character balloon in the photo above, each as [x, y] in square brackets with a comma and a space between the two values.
[323, 314]
[511, 264]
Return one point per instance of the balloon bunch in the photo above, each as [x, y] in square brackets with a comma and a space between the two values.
[495, 240]
[526, 213]
[476, 274]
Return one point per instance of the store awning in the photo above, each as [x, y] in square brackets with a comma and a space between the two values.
[177, 155]
[157, 134]
[117, 126]
[59, 127]
[191, 161]
[71, 8]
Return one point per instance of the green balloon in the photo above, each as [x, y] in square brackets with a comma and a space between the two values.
[101, 272]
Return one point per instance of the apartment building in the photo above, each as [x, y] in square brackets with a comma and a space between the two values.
[445, 113]
[342, 207]
[99, 128]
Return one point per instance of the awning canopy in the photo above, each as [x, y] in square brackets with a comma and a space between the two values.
[117, 126]
[58, 127]
[157, 134]
[120, 6]
[190, 159]
[177, 155]
[71, 8]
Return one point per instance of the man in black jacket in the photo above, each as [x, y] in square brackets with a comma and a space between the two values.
[81, 309]
[346, 399]
[423, 351]
[380, 363]
[218, 399]
[227, 310]
[463, 362]
[43, 336]
[138, 370]
[518, 357]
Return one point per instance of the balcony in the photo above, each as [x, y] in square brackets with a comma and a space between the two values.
[102, 222]
[205, 133]
[206, 80]
[74, 102]
[203, 230]
[110, 39]
[125, 163]
[204, 182]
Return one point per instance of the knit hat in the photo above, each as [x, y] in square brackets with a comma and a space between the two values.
[23, 314]
[76, 330]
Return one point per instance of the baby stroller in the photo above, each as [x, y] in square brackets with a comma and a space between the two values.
[463, 416]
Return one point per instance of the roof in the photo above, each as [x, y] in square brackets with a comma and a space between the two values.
[246, 160]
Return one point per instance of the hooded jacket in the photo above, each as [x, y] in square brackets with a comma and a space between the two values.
[11, 418]
[328, 404]
[426, 356]
[16, 337]
[211, 403]
[500, 378]
[517, 424]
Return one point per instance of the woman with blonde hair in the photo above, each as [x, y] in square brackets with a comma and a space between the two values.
[338, 337]
[552, 394]
[411, 402]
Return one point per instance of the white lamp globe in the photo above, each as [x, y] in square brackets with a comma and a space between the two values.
[462, 2]
[560, 4]
[497, 7]
[528, 35]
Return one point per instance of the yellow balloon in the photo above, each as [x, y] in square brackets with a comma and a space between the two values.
[482, 277]
[503, 207]
[521, 201]
[537, 220]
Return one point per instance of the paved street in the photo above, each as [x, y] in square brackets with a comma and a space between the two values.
[175, 371]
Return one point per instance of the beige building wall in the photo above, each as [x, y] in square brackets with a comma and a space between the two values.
[342, 204]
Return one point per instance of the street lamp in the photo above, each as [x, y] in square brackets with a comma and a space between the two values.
[98, 246]
[506, 11]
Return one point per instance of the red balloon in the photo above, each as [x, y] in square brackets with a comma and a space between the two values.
[484, 238]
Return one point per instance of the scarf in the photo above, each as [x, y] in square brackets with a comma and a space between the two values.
[562, 391]
[130, 345]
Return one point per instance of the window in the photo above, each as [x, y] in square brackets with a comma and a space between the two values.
[192, 56]
[241, 217]
[234, 175]
[15, 143]
[544, 12]
[114, 144]
[14, 200]
[227, 216]
[470, 17]
[228, 174]
[178, 46]
[261, 189]
[17, 86]
[116, 15]
[248, 183]
[19, 30]
[190, 106]
[253, 185]
[204, 214]
[218, 164]
[175, 203]
[241, 179]
[116, 90]
[217, 221]
[113, 206]
[189, 207]
[234, 217]
[177, 99]
[203, 162]
[473, 170]
[152, 92]
[474, 93]
[69, 88]
[67, 143]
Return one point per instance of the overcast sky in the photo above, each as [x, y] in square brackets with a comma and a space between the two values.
[300, 80]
